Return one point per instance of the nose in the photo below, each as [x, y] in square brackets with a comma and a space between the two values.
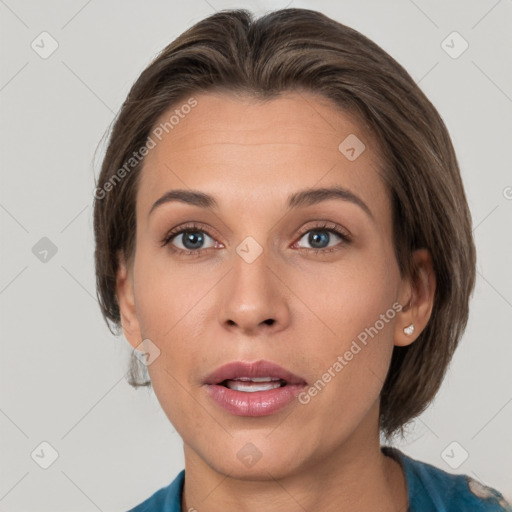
[254, 298]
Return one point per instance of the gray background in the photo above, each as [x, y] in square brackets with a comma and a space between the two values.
[62, 372]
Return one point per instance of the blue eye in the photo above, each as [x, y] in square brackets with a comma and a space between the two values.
[320, 238]
[191, 240]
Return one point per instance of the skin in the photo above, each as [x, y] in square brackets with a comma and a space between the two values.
[204, 311]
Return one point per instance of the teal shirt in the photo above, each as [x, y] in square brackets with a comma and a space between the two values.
[430, 489]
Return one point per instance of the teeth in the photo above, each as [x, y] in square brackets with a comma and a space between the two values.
[250, 387]
[258, 379]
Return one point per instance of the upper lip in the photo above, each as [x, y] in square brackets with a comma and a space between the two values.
[238, 369]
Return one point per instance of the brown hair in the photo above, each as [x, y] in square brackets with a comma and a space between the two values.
[300, 49]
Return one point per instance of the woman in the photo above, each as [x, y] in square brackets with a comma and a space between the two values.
[283, 236]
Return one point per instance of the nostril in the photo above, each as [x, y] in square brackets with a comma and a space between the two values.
[268, 321]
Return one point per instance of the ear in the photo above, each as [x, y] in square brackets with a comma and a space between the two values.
[417, 298]
[126, 300]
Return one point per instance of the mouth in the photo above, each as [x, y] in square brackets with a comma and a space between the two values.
[253, 389]
[249, 376]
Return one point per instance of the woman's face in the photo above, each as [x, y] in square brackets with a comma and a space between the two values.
[265, 278]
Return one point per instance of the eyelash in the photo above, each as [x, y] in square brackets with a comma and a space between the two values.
[195, 227]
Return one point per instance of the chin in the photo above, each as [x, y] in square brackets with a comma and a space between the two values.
[257, 459]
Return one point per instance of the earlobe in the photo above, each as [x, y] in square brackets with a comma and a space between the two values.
[126, 301]
[419, 290]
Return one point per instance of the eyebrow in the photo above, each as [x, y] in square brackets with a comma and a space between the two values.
[306, 197]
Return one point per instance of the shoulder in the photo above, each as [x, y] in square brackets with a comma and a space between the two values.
[166, 499]
[433, 489]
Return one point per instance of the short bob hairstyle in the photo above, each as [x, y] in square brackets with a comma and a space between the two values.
[303, 50]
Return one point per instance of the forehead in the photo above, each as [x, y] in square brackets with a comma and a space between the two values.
[241, 146]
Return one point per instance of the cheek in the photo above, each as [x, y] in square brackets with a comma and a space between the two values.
[165, 295]
[167, 306]
[170, 307]
[349, 297]
[355, 309]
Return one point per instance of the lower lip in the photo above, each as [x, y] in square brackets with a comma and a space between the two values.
[257, 403]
